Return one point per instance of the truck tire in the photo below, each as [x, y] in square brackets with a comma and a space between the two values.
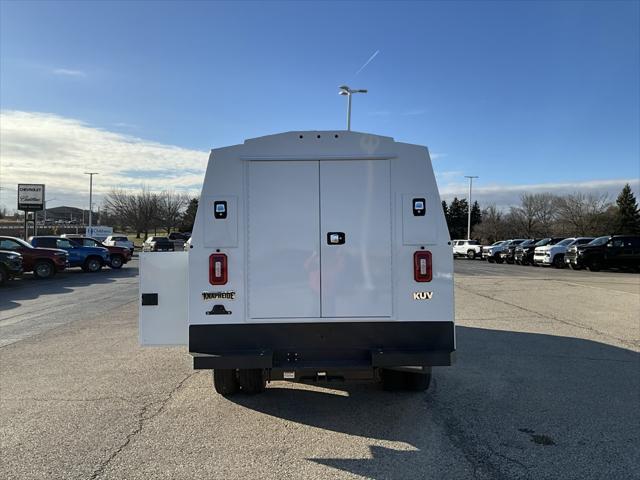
[499, 259]
[44, 269]
[225, 381]
[3, 275]
[92, 264]
[594, 266]
[252, 380]
[116, 261]
[491, 259]
[471, 254]
[418, 382]
[558, 261]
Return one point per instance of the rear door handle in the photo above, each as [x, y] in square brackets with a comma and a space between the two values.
[335, 238]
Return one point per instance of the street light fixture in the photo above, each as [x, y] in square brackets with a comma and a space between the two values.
[470, 177]
[91, 174]
[345, 90]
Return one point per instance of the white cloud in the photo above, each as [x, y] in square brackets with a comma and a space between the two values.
[69, 72]
[56, 151]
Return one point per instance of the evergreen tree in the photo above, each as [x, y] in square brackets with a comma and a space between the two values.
[445, 209]
[189, 217]
[628, 216]
[458, 218]
[476, 214]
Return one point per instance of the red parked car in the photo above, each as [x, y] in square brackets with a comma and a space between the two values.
[118, 256]
[43, 262]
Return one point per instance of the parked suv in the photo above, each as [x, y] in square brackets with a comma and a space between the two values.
[158, 244]
[10, 265]
[91, 259]
[119, 241]
[43, 262]
[524, 253]
[118, 256]
[611, 251]
[468, 248]
[554, 254]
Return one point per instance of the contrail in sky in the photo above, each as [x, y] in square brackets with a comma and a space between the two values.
[367, 62]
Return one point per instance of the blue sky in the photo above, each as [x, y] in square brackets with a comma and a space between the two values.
[518, 93]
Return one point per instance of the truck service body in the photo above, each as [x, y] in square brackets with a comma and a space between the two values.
[314, 255]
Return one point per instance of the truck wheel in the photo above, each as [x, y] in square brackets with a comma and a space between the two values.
[418, 382]
[594, 266]
[224, 381]
[490, 259]
[499, 260]
[471, 254]
[44, 269]
[558, 261]
[252, 380]
[3, 275]
[116, 261]
[92, 264]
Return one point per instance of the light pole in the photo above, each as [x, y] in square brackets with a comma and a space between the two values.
[91, 174]
[470, 177]
[345, 90]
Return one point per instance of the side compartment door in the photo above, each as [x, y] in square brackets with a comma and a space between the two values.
[163, 314]
[355, 238]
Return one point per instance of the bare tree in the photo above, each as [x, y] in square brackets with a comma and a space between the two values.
[492, 227]
[138, 211]
[171, 205]
[583, 214]
[535, 215]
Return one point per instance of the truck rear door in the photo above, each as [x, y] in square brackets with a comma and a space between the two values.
[319, 239]
[356, 262]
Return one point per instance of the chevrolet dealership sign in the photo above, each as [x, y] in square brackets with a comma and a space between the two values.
[30, 196]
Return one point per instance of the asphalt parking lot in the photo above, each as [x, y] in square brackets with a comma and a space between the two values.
[546, 385]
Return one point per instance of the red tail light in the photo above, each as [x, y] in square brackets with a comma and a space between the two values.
[422, 266]
[218, 269]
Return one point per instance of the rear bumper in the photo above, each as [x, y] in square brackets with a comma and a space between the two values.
[322, 346]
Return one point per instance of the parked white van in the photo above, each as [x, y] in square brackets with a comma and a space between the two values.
[315, 255]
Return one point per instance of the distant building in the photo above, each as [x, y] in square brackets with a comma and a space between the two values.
[67, 214]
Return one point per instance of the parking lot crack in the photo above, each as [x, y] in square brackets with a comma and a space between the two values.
[146, 413]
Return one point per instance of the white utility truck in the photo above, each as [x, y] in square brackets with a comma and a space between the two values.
[315, 255]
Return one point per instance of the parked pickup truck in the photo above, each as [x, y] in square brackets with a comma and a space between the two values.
[524, 253]
[492, 253]
[118, 256]
[119, 241]
[467, 248]
[508, 254]
[91, 259]
[10, 265]
[621, 251]
[158, 244]
[554, 254]
[43, 262]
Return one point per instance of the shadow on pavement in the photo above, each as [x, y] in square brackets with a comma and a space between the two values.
[28, 287]
[516, 405]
